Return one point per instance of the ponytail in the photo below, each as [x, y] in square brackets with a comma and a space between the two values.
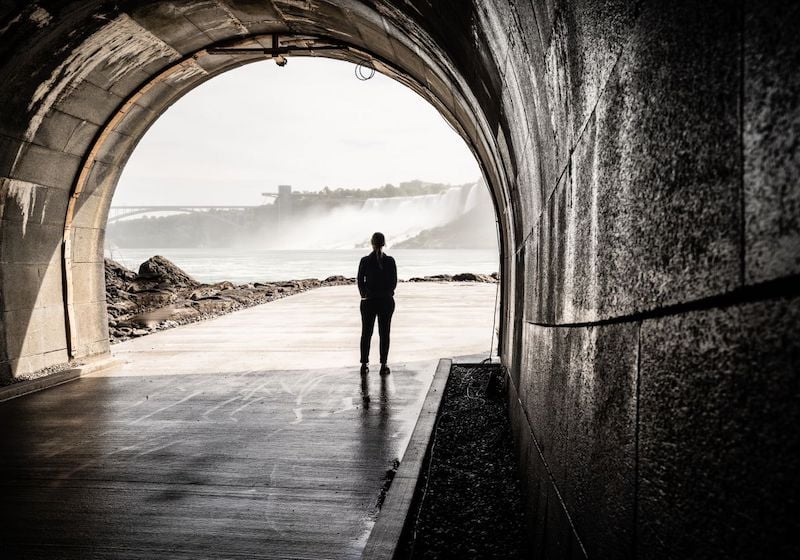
[378, 242]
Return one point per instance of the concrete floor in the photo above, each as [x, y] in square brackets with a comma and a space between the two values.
[248, 436]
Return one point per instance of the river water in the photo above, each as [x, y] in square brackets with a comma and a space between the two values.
[242, 266]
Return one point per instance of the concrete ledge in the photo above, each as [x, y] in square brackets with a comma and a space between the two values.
[33, 385]
[384, 539]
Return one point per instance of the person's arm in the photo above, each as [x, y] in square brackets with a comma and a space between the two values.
[362, 287]
[392, 274]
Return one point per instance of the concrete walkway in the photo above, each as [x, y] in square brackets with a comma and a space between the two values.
[248, 436]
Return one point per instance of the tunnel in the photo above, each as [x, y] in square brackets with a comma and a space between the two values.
[643, 162]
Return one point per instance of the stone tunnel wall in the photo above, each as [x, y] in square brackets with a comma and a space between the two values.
[654, 352]
[644, 161]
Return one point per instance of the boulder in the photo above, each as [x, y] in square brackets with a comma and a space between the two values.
[472, 277]
[164, 271]
[117, 276]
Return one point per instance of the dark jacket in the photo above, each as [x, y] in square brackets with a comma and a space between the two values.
[376, 281]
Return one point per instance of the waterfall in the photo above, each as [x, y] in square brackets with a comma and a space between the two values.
[399, 218]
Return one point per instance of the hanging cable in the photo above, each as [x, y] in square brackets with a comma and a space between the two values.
[364, 71]
[496, 292]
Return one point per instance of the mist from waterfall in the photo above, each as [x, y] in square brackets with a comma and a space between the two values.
[350, 225]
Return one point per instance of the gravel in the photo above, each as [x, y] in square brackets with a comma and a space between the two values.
[470, 503]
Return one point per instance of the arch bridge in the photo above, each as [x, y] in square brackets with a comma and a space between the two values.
[117, 213]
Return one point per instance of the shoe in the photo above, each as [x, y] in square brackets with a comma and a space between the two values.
[385, 369]
[364, 369]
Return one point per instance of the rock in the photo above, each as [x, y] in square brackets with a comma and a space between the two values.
[472, 277]
[337, 280]
[117, 276]
[163, 271]
[213, 305]
[154, 298]
[204, 292]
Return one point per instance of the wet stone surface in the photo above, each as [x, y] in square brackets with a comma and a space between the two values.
[470, 502]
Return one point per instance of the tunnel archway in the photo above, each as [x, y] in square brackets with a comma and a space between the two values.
[643, 162]
[127, 69]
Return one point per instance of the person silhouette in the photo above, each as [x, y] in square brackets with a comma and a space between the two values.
[377, 279]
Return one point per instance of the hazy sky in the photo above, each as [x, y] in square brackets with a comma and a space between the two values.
[308, 124]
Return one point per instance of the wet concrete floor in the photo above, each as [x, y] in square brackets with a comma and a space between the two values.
[248, 436]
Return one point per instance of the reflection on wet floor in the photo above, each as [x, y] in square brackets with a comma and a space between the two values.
[248, 463]
[192, 449]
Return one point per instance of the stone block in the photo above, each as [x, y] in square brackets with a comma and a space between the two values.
[558, 540]
[374, 37]
[90, 325]
[101, 179]
[22, 332]
[40, 165]
[214, 21]
[330, 19]
[116, 148]
[508, 158]
[407, 58]
[136, 122]
[548, 249]
[53, 332]
[638, 226]
[95, 348]
[579, 391]
[256, 15]
[440, 90]
[529, 191]
[131, 81]
[88, 282]
[51, 291]
[537, 487]
[56, 130]
[30, 364]
[35, 246]
[31, 203]
[82, 139]
[771, 129]
[20, 286]
[90, 103]
[27, 364]
[9, 148]
[35, 331]
[545, 14]
[526, 63]
[600, 408]
[718, 433]
[495, 19]
[543, 386]
[166, 22]
[672, 215]
[91, 208]
[87, 245]
[514, 317]
[159, 97]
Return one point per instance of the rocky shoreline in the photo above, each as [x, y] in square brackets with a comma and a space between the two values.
[162, 296]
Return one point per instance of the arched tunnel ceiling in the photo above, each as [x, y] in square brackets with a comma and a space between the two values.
[643, 157]
[117, 67]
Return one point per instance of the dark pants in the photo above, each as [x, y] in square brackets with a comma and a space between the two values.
[382, 308]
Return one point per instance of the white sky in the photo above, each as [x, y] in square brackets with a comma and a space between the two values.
[308, 124]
